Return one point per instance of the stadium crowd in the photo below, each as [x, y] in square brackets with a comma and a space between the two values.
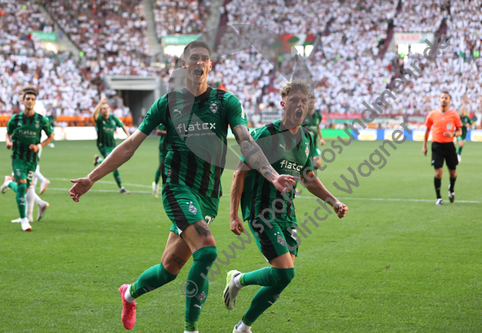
[180, 17]
[347, 65]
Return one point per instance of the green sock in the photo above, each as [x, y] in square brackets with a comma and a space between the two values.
[197, 289]
[158, 176]
[459, 151]
[21, 200]
[117, 178]
[151, 279]
[264, 298]
[268, 277]
[13, 186]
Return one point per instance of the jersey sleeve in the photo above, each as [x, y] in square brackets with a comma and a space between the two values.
[10, 125]
[236, 114]
[155, 116]
[429, 121]
[46, 126]
[263, 139]
[118, 122]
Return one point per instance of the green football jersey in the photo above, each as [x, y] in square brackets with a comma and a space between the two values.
[162, 138]
[105, 130]
[465, 120]
[197, 128]
[26, 131]
[312, 123]
[288, 154]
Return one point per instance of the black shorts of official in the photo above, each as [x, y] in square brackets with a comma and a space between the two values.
[444, 151]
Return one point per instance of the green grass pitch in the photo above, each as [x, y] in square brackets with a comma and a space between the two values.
[391, 265]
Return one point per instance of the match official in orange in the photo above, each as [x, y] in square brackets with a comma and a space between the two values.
[445, 124]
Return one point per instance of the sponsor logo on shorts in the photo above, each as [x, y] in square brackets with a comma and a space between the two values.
[280, 240]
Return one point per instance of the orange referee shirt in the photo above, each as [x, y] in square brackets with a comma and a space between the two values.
[442, 122]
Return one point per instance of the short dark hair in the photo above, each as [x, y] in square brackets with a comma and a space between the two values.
[446, 92]
[29, 90]
[196, 43]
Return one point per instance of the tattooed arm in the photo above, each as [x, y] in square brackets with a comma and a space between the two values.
[237, 187]
[255, 158]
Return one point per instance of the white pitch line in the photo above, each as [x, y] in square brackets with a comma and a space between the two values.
[112, 191]
[395, 199]
[104, 182]
[302, 197]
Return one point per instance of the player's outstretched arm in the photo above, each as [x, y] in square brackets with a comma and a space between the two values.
[97, 108]
[126, 130]
[121, 154]
[8, 140]
[237, 187]
[315, 186]
[255, 158]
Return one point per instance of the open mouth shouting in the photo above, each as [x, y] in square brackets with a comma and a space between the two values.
[298, 115]
[198, 73]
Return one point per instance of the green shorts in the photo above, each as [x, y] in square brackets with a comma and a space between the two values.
[183, 206]
[105, 151]
[23, 170]
[273, 242]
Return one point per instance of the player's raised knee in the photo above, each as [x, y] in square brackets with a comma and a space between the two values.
[283, 276]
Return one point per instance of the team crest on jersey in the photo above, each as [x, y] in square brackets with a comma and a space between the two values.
[214, 107]
[37, 125]
[201, 296]
[192, 209]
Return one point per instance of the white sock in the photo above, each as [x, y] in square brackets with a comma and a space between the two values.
[242, 326]
[191, 331]
[30, 200]
[38, 201]
[237, 281]
[127, 295]
[39, 175]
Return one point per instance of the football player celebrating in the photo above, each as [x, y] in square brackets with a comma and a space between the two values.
[262, 202]
[197, 119]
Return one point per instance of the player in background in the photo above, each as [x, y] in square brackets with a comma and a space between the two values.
[445, 125]
[277, 240]
[23, 137]
[106, 125]
[161, 131]
[44, 182]
[461, 139]
[312, 123]
[197, 119]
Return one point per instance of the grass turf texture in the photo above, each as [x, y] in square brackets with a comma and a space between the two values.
[389, 266]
